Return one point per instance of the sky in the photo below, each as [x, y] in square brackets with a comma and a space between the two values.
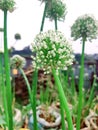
[26, 21]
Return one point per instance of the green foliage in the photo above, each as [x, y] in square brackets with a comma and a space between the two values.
[2, 118]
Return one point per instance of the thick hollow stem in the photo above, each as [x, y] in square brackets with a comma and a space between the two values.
[7, 74]
[1, 74]
[55, 20]
[61, 105]
[62, 116]
[43, 18]
[2, 87]
[34, 90]
[91, 95]
[63, 99]
[81, 83]
[32, 98]
[28, 87]
[5, 103]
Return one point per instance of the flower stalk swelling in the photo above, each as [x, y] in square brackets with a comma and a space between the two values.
[84, 28]
[53, 53]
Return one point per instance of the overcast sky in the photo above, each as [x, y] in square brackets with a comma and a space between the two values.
[26, 20]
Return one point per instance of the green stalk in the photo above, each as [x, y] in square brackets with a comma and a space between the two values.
[34, 90]
[7, 73]
[28, 87]
[55, 20]
[66, 75]
[32, 98]
[44, 15]
[61, 104]
[5, 104]
[3, 92]
[1, 71]
[91, 96]
[90, 100]
[35, 76]
[62, 115]
[63, 100]
[81, 83]
[73, 92]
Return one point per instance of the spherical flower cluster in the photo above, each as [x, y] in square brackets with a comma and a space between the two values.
[17, 62]
[56, 10]
[7, 5]
[52, 51]
[85, 27]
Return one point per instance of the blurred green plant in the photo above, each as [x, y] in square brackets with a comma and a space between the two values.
[67, 79]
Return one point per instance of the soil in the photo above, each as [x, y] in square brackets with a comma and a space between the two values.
[20, 87]
[48, 117]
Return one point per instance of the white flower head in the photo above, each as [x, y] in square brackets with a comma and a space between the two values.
[85, 26]
[7, 5]
[54, 52]
[17, 61]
